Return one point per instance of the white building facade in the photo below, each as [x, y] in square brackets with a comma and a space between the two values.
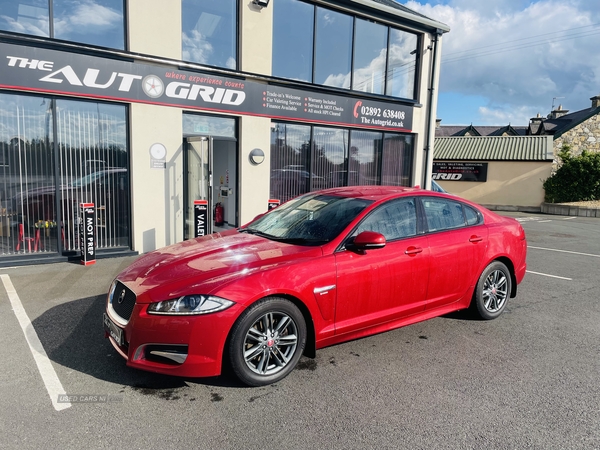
[183, 117]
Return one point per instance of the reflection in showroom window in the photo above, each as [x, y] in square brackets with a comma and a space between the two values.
[94, 22]
[209, 33]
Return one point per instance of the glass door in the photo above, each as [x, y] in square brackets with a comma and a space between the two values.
[198, 190]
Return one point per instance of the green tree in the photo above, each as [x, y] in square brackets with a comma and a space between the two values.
[577, 178]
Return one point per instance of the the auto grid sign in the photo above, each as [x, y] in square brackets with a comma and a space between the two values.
[57, 72]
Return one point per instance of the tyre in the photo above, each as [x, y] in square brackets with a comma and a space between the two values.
[492, 291]
[267, 341]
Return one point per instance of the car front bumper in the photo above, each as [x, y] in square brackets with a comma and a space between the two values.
[186, 346]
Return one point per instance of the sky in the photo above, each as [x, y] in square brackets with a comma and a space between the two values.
[505, 61]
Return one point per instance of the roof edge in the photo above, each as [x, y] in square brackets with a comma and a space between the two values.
[400, 13]
[592, 113]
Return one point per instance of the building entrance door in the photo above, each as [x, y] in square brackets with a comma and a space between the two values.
[210, 185]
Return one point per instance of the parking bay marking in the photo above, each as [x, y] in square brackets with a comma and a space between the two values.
[548, 275]
[564, 251]
[51, 381]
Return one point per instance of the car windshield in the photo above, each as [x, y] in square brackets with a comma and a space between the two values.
[308, 220]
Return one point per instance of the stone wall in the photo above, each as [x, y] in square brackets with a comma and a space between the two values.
[585, 136]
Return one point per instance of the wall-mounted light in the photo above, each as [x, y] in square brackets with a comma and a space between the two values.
[261, 3]
[257, 156]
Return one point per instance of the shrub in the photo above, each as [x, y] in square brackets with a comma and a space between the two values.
[577, 179]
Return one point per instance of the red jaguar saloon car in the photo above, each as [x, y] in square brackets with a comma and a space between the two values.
[323, 268]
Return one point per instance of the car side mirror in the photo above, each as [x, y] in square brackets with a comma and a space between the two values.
[367, 240]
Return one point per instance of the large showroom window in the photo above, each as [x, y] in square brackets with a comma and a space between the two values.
[306, 158]
[209, 32]
[331, 48]
[57, 154]
[94, 22]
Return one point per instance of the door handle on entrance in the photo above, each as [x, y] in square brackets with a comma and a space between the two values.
[413, 250]
[475, 238]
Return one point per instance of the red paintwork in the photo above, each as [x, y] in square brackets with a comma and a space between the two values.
[406, 281]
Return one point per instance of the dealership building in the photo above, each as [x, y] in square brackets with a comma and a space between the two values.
[172, 119]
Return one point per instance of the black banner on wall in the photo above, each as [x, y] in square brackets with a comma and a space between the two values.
[57, 72]
[87, 233]
[459, 171]
[200, 218]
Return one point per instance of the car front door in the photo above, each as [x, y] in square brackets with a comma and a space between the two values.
[382, 285]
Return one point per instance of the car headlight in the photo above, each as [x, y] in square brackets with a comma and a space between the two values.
[190, 304]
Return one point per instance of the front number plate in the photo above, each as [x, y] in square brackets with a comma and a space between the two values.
[113, 330]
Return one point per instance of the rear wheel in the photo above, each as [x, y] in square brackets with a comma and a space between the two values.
[267, 341]
[492, 291]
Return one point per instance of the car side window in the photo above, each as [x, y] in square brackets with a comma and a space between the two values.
[395, 220]
[443, 214]
[473, 216]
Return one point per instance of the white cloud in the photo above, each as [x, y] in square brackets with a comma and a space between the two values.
[519, 55]
[86, 15]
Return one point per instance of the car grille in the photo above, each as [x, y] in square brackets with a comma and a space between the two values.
[123, 301]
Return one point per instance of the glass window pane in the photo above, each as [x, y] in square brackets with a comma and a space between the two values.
[94, 22]
[93, 158]
[397, 160]
[370, 50]
[27, 17]
[290, 150]
[443, 214]
[27, 182]
[209, 32]
[293, 24]
[365, 158]
[333, 48]
[330, 156]
[200, 125]
[395, 220]
[402, 64]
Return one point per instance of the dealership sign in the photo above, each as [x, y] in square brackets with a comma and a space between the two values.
[56, 72]
[459, 171]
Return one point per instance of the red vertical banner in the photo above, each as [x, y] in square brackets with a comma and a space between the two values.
[200, 218]
[87, 233]
[273, 203]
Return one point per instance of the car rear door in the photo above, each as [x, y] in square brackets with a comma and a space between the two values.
[382, 285]
[458, 239]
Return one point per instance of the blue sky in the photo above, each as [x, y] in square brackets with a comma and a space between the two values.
[505, 61]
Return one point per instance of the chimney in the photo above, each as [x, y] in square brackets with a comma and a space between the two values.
[438, 122]
[536, 119]
[558, 112]
[595, 101]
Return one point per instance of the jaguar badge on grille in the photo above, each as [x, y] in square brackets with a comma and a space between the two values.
[121, 297]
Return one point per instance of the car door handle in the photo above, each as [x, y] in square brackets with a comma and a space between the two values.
[413, 250]
[475, 239]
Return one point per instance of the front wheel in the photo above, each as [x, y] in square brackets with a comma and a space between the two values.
[267, 341]
[492, 291]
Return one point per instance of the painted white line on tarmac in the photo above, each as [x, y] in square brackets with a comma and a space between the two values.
[569, 218]
[564, 251]
[544, 221]
[44, 365]
[548, 275]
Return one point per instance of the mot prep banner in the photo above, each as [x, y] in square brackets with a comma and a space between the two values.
[56, 72]
[87, 233]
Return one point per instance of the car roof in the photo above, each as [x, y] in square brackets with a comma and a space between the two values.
[370, 192]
